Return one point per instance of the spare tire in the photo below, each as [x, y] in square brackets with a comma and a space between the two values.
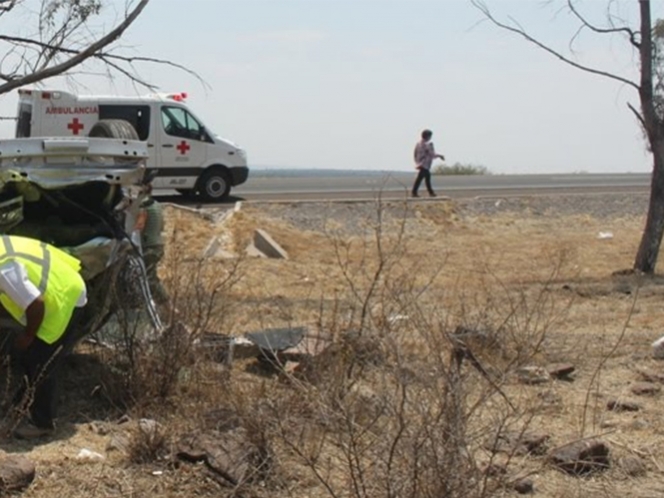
[113, 128]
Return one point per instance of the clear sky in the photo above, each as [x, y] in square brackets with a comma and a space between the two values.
[351, 83]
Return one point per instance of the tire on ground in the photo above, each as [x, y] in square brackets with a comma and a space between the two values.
[214, 185]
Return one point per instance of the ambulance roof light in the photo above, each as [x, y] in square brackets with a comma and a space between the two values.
[178, 97]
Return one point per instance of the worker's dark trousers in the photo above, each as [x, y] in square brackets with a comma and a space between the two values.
[41, 363]
[423, 174]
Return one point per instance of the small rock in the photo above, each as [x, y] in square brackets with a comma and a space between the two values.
[618, 405]
[16, 473]
[560, 370]
[533, 375]
[524, 486]
[99, 428]
[653, 377]
[550, 397]
[86, 455]
[119, 442]
[645, 388]
[495, 470]
[633, 466]
[638, 424]
[230, 455]
[519, 444]
[581, 457]
[608, 424]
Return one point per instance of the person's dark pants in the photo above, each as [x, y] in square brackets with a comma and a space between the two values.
[41, 363]
[423, 174]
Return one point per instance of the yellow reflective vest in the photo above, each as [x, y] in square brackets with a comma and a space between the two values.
[54, 272]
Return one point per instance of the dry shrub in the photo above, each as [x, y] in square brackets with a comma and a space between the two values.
[148, 442]
[146, 367]
[398, 405]
[401, 404]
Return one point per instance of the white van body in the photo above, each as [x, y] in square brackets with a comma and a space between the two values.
[187, 156]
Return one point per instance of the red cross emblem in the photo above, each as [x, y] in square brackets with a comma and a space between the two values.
[75, 126]
[183, 147]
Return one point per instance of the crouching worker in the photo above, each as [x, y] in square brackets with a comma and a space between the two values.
[41, 288]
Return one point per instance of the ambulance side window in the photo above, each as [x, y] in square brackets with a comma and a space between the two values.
[178, 122]
[137, 115]
[24, 125]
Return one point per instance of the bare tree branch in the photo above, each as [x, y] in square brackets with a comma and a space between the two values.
[638, 115]
[106, 57]
[515, 28]
[78, 58]
[586, 24]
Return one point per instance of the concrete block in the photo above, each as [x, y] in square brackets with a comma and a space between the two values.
[253, 252]
[268, 246]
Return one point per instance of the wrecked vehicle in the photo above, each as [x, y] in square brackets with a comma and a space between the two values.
[82, 195]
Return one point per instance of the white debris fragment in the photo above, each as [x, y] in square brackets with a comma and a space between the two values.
[87, 455]
[605, 235]
[658, 349]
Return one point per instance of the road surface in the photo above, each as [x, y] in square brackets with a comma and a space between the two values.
[264, 186]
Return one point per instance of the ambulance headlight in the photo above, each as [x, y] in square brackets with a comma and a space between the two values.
[242, 153]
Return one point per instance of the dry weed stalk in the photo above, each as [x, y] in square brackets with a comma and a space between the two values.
[149, 367]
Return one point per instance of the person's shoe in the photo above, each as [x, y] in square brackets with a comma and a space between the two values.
[432, 194]
[30, 431]
[414, 194]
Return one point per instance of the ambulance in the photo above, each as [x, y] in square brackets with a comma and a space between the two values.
[186, 155]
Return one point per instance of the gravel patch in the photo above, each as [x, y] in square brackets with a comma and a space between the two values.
[600, 206]
[359, 217]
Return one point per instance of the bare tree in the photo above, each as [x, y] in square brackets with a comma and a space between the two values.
[40, 39]
[647, 41]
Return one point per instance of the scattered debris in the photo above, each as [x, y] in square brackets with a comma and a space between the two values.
[633, 466]
[561, 371]
[645, 389]
[266, 244]
[533, 375]
[272, 341]
[16, 473]
[605, 235]
[658, 349]
[524, 486]
[517, 443]
[581, 457]
[118, 442]
[206, 215]
[495, 470]
[253, 252]
[215, 250]
[618, 405]
[654, 377]
[229, 455]
[86, 455]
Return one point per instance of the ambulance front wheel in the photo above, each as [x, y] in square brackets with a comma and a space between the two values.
[214, 185]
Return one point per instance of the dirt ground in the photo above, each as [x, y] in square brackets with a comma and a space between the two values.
[540, 278]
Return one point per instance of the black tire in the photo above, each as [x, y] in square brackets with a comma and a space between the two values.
[214, 185]
[113, 128]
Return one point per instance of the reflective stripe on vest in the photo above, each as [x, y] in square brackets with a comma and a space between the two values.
[55, 274]
[44, 261]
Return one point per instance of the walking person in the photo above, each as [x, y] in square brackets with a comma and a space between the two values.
[424, 155]
[40, 288]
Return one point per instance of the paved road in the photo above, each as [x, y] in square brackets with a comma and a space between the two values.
[270, 187]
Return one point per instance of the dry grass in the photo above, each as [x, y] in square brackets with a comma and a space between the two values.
[540, 286]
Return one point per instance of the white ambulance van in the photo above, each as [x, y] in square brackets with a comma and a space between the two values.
[188, 157]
